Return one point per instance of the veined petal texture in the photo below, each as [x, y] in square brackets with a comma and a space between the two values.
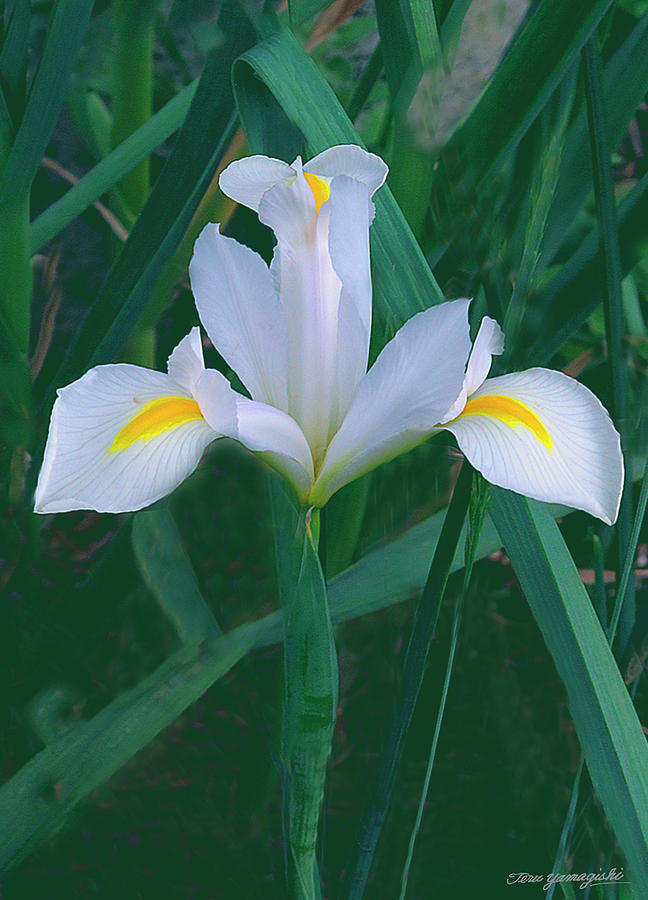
[246, 180]
[402, 398]
[238, 305]
[543, 434]
[120, 438]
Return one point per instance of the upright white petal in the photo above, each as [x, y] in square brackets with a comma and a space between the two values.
[309, 290]
[544, 435]
[247, 180]
[488, 343]
[402, 398]
[351, 213]
[351, 160]
[261, 428]
[238, 305]
[120, 438]
[187, 363]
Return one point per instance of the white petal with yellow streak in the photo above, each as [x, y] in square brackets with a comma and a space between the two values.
[120, 438]
[566, 451]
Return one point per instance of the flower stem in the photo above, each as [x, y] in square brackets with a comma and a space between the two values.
[310, 686]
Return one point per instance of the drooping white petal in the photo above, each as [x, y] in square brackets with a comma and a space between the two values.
[238, 305]
[186, 364]
[403, 396]
[261, 428]
[542, 434]
[247, 180]
[351, 160]
[488, 343]
[120, 438]
[309, 290]
[351, 212]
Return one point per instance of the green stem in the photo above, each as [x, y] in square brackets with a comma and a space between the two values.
[134, 25]
[310, 686]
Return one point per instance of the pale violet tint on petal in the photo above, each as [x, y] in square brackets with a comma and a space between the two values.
[579, 464]
[351, 212]
[309, 290]
[259, 427]
[350, 160]
[402, 398]
[81, 470]
[246, 180]
[238, 305]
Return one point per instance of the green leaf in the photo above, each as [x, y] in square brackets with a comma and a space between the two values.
[67, 27]
[13, 57]
[111, 169]
[410, 44]
[538, 57]
[159, 229]
[423, 628]
[625, 82]
[567, 300]
[38, 799]
[310, 686]
[403, 282]
[612, 300]
[606, 722]
[168, 574]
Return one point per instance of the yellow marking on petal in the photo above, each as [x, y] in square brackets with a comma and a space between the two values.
[510, 411]
[319, 187]
[155, 417]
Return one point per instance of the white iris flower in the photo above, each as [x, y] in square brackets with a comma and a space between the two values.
[297, 334]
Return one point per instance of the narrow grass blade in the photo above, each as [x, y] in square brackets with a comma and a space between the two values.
[168, 574]
[542, 190]
[625, 82]
[403, 282]
[13, 57]
[110, 170]
[310, 686]
[424, 625]
[365, 85]
[476, 514]
[570, 296]
[205, 135]
[410, 44]
[628, 572]
[67, 28]
[540, 54]
[612, 298]
[606, 722]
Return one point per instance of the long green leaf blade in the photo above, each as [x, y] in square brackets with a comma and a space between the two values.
[160, 227]
[111, 169]
[539, 56]
[67, 28]
[606, 722]
[167, 572]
